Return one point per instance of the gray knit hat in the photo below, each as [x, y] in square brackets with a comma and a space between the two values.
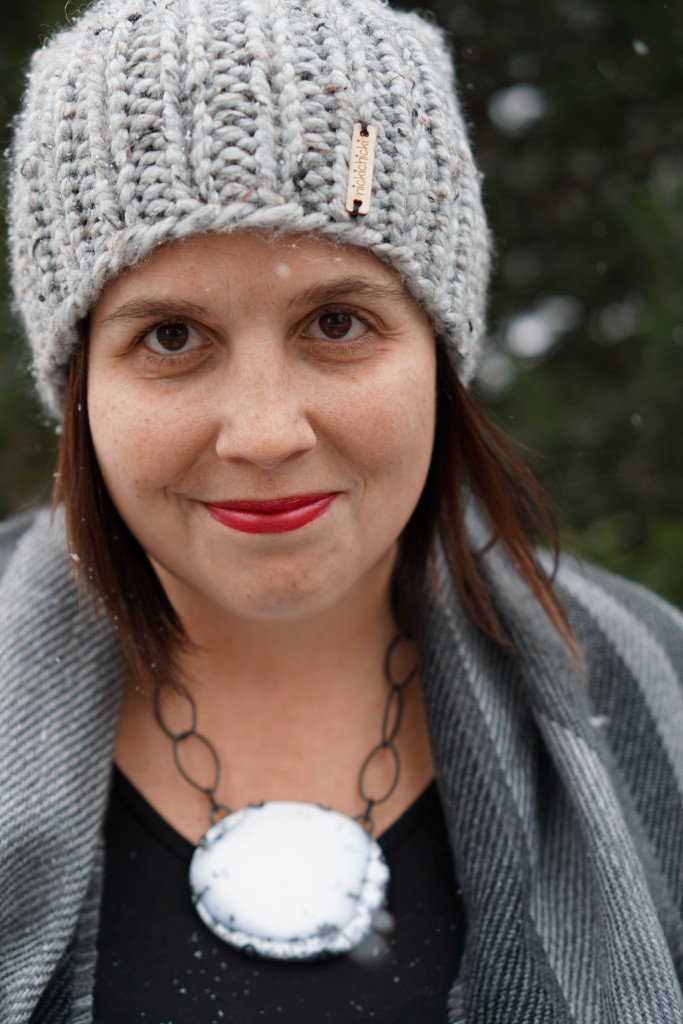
[151, 120]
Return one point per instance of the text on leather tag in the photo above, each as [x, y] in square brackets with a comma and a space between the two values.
[359, 189]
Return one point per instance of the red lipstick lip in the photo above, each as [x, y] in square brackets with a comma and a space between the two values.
[280, 515]
[272, 505]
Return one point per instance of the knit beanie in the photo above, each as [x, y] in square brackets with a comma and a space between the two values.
[153, 120]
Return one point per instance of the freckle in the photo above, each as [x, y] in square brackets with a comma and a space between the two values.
[282, 270]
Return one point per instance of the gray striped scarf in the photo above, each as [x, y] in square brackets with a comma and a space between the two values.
[561, 785]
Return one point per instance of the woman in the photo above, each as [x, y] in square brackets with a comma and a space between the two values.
[290, 563]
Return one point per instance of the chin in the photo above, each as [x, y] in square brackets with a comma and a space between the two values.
[286, 600]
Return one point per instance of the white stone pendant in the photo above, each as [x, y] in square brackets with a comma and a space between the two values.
[289, 881]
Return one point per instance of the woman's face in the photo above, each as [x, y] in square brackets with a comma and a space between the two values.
[232, 373]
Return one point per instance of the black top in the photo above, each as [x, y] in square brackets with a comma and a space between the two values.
[158, 963]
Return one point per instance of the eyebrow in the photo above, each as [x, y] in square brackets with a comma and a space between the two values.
[144, 309]
[328, 292]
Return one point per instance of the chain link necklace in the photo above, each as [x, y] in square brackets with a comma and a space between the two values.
[288, 880]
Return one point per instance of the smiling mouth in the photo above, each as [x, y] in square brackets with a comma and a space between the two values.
[279, 515]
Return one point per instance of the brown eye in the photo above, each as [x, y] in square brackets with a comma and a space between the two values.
[336, 325]
[171, 337]
[174, 338]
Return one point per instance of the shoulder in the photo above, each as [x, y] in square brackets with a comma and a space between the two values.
[34, 565]
[631, 642]
[11, 532]
[624, 614]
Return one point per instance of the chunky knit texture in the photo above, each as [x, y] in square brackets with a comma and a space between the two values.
[561, 784]
[152, 120]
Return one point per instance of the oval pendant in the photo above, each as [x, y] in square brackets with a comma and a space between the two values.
[289, 881]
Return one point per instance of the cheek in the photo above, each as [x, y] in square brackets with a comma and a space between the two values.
[140, 443]
[388, 428]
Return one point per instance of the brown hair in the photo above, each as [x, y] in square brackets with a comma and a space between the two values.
[468, 449]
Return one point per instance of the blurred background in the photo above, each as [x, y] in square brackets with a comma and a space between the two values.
[576, 111]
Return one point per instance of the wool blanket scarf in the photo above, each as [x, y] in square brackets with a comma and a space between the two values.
[561, 783]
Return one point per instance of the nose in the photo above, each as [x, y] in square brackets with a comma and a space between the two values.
[264, 415]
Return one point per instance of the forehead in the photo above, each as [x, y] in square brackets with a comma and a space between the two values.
[253, 267]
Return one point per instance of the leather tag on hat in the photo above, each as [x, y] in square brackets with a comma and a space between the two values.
[359, 188]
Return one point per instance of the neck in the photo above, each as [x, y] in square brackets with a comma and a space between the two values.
[235, 656]
[306, 660]
[292, 709]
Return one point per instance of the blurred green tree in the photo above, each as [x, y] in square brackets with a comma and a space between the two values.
[577, 118]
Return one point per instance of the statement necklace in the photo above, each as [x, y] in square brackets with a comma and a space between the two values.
[288, 880]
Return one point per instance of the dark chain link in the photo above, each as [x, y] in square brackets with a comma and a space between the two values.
[391, 721]
[217, 809]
